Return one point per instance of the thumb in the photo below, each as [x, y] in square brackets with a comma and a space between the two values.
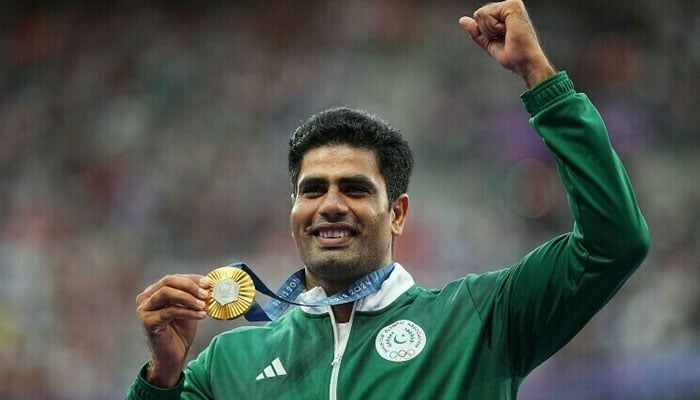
[469, 24]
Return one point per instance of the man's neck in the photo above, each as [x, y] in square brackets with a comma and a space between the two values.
[342, 312]
[330, 287]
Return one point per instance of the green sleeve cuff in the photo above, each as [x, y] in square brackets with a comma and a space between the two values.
[547, 92]
[142, 390]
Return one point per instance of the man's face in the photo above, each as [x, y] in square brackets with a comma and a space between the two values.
[341, 220]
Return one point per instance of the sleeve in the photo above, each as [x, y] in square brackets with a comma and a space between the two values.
[142, 390]
[193, 384]
[542, 301]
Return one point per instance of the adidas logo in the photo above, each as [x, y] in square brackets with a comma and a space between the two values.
[274, 369]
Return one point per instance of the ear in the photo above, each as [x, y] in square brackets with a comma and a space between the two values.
[399, 212]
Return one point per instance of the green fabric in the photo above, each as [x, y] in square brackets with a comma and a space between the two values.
[483, 333]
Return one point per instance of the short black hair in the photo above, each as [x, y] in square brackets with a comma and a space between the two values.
[356, 128]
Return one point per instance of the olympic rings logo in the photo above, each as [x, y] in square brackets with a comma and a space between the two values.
[406, 354]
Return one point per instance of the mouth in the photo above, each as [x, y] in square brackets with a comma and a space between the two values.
[333, 235]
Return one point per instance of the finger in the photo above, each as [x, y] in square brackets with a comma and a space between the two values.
[470, 25]
[194, 284]
[489, 25]
[153, 320]
[169, 296]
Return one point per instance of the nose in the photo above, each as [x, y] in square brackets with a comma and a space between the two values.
[333, 205]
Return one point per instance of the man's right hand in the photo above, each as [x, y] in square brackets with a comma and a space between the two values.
[169, 311]
[505, 31]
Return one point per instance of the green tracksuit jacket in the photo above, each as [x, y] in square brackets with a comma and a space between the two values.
[476, 338]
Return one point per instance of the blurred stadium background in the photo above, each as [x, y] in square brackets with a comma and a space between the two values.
[138, 140]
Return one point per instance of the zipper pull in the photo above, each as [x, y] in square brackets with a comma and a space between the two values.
[336, 360]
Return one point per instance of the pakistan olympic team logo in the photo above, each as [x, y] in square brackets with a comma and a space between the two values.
[401, 341]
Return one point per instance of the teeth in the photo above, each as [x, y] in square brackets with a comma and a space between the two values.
[333, 234]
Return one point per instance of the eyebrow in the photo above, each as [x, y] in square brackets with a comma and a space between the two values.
[312, 180]
[346, 180]
[357, 180]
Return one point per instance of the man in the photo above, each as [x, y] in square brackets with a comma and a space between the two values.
[476, 338]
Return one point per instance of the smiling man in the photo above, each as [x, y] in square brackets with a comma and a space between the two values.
[345, 215]
[476, 338]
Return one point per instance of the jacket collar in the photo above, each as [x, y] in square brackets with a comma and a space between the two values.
[398, 282]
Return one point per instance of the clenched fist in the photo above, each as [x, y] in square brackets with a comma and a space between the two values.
[169, 311]
[505, 31]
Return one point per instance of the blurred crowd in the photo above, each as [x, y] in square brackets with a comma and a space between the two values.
[138, 140]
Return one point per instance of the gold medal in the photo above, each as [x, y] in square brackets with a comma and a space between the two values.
[231, 293]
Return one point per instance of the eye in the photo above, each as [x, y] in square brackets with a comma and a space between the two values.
[312, 190]
[356, 190]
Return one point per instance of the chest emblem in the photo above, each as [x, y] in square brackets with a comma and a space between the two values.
[401, 341]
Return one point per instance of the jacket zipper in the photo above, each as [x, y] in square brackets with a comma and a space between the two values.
[338, 351]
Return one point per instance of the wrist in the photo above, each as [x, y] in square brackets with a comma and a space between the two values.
[534, 76]
[162, 377]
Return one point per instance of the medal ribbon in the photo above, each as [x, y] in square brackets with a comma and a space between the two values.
[296, 284]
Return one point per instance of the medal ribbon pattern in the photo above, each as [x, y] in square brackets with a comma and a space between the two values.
[296, 284]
